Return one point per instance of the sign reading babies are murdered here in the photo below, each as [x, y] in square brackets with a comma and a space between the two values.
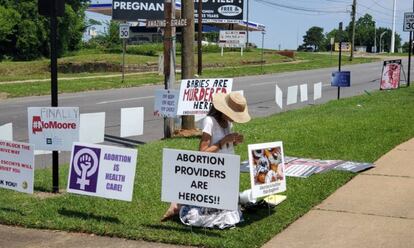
[53, 128]
[16, 166]
[102, 171]
[196, 95]
[201, 179]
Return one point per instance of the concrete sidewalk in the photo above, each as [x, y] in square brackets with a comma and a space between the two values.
[375, 209]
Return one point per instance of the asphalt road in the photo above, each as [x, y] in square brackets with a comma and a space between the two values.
[259, 91]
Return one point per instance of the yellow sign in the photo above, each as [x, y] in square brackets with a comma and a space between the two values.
[346, 46]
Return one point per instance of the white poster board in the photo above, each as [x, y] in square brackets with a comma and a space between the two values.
[92, 127]
[279, 97]
[196, 95]
[165, 104]
[6, 131]
[102, 171]
[267, 169]
[53, 128]
[317, 91]
[292, 95]
[201, 178]
[17, 166]
[132, 121]
[303, 92]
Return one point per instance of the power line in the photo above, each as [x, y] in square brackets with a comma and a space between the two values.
[304, 9]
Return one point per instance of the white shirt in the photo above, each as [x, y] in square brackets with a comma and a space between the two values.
[216, 132]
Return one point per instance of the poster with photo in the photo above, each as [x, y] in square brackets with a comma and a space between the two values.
[267, 169]
[391, 73]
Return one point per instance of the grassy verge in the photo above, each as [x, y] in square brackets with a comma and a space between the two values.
[360, 129]
[304, 61]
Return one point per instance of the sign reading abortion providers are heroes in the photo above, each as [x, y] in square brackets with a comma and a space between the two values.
[16, 166]
[53, 128]
[201, 179]
[196, 95]
[102, 171]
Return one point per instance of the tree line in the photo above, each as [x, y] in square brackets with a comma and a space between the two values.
[365, 33]
[24, 34]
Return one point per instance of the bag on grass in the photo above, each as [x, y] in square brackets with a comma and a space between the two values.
[209, 217]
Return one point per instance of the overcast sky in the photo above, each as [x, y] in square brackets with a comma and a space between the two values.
[286, 21]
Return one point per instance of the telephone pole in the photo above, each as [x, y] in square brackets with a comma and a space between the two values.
[353, 29]
[393, 27]
[187, 56]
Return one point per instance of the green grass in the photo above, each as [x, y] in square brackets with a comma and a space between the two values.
[360, 129]
[304, 61]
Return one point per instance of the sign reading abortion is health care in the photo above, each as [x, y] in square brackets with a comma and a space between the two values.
[196, 95]
[201, 179]
[53, 128]
[16, 166]
[102, 171]
[132, 10]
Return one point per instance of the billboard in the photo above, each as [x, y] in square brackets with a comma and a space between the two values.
[132, 10]
[232, 38]
[214, 10]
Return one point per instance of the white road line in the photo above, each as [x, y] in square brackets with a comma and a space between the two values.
[264, 83]
[126, 100]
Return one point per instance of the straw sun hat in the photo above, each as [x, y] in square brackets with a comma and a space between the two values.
[233, 105]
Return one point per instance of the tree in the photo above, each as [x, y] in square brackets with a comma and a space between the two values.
[24, 34]
[315, 38]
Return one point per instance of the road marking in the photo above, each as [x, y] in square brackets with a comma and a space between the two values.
[126, 100]
[264, 83]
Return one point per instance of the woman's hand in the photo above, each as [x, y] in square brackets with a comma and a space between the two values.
[234, 138]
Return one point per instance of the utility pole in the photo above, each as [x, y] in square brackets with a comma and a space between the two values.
[247, 25]
[187, 56]
[167, 60]
[375, 38]
[393, 27]
[353, 29]
[200, 38]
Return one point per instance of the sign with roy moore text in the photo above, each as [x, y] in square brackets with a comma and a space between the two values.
[102, 171]
[16, 166]
[201, 179]
[53, 128]
[196, 95]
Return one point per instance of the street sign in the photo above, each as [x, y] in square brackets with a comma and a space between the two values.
[162, 23]
[341, 79]
[408, 22]
[232, 38]
[124, 31]
[132, 10]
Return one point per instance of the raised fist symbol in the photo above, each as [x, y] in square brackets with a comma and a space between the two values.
[85, 162]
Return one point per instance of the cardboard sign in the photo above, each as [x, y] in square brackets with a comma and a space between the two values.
[391, 73]
[16, 166]
[214, 10]
[165, 104]
[6, 131]
[132, 121]
[201, 179]
[353, 166]
[232, 38]
[267, 169]
[132, 10]
[53, 128]
[341, 79]
[196, 95]
[103, 171]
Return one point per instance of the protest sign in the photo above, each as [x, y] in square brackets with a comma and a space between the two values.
[391, 72]
[103, 171]
[304, 167]
[165, 104]
[196, 95]
[6, 131]
[267, 169]
[53, 128]
[353, 166]
[132, 121]
[201, 179]
[16, 166]
[341, 79]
